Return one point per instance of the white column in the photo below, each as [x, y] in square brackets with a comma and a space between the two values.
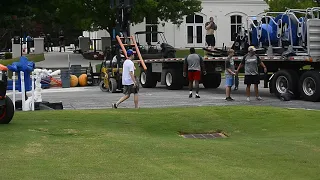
[23, 91]
[32, 100]
[38, 45]
[14, 89]
[84, 43]
[16, 50]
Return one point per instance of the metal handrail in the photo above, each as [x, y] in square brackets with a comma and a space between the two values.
[251, 23]
[279, 30]
[316, 9]
[242, 32]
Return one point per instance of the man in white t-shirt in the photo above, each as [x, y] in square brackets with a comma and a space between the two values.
[128, 80]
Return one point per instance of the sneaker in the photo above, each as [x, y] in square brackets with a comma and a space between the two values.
[235, 88]
[259, 98]
[197, 96]
[229, 99]
[248, 99]
[190, 95]
[114, 106]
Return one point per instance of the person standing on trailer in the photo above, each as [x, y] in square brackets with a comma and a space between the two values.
[194, 64]
[230, 72]
[129, 82]
[211, 27]
[251, 62]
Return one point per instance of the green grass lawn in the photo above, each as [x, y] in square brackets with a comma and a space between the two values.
[31, 57]
[263, 143]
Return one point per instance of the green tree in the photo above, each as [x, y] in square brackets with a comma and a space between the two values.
[104, 17]
[54, 15]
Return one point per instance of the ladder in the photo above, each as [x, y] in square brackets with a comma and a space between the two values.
[134, 43]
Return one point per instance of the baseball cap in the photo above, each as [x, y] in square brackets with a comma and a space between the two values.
[251, 48]
[129, 52]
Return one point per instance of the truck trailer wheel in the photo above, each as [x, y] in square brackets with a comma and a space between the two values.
[148, 79]
[310, 86]
[174, 80]
[112, 85]
[285, 80]
[6, 111]
[211, 80]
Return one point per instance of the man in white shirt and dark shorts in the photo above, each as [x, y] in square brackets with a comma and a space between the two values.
[128, 81]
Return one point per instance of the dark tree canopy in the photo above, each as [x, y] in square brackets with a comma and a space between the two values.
[103, 17]
[77, 15]
[85, 14]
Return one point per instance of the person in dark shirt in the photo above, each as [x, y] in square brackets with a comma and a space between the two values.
[62, 41]
[49, 43]
[29, 43]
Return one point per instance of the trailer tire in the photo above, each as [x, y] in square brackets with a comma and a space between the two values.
[285, 80]
[211, 80]
[173, 80]
[6, 111]
[112, 85]
[148, 79]
[310, 86]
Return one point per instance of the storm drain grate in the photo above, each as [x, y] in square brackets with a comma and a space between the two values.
[204, 136]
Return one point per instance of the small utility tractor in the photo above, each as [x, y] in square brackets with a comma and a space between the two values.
[111, 74]
[6, 104]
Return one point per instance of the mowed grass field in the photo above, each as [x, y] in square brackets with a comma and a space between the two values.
[31, 57]
[263, 143]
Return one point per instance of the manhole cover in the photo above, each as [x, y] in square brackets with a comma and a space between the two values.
[204, 136]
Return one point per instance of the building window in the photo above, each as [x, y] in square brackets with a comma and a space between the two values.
[194, 19]
[194, 29]
[236, 23]
[151, 26]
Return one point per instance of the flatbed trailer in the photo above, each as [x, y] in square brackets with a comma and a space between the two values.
[283, 74]
[298, 73]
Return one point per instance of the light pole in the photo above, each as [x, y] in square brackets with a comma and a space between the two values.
[21, 38]
[123, 10]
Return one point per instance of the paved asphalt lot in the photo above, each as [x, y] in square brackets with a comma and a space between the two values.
[94, 98]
